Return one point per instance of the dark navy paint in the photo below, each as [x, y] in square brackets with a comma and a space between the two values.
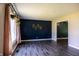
[28, 32]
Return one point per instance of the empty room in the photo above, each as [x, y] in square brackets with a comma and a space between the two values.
[39, 29]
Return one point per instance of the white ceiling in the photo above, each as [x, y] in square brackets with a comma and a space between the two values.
[46, 11]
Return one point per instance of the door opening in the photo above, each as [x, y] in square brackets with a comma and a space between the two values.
[62, 32]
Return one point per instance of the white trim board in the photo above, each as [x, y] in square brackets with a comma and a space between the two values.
[36, 39]
[74, 46]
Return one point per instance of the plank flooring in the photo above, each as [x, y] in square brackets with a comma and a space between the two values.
[44, 48]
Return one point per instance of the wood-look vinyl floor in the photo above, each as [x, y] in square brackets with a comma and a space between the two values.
[44, 48]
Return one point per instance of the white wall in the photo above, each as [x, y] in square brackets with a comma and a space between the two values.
[74, 33]
[73, 29]
[2, 11]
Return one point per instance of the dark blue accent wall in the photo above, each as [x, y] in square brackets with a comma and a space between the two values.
[35, 29]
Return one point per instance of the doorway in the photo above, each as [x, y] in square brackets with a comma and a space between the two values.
[62, 32]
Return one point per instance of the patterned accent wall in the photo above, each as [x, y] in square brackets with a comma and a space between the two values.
[35, 29]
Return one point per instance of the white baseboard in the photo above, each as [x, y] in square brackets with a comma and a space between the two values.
[37, 39]
[74, 46]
